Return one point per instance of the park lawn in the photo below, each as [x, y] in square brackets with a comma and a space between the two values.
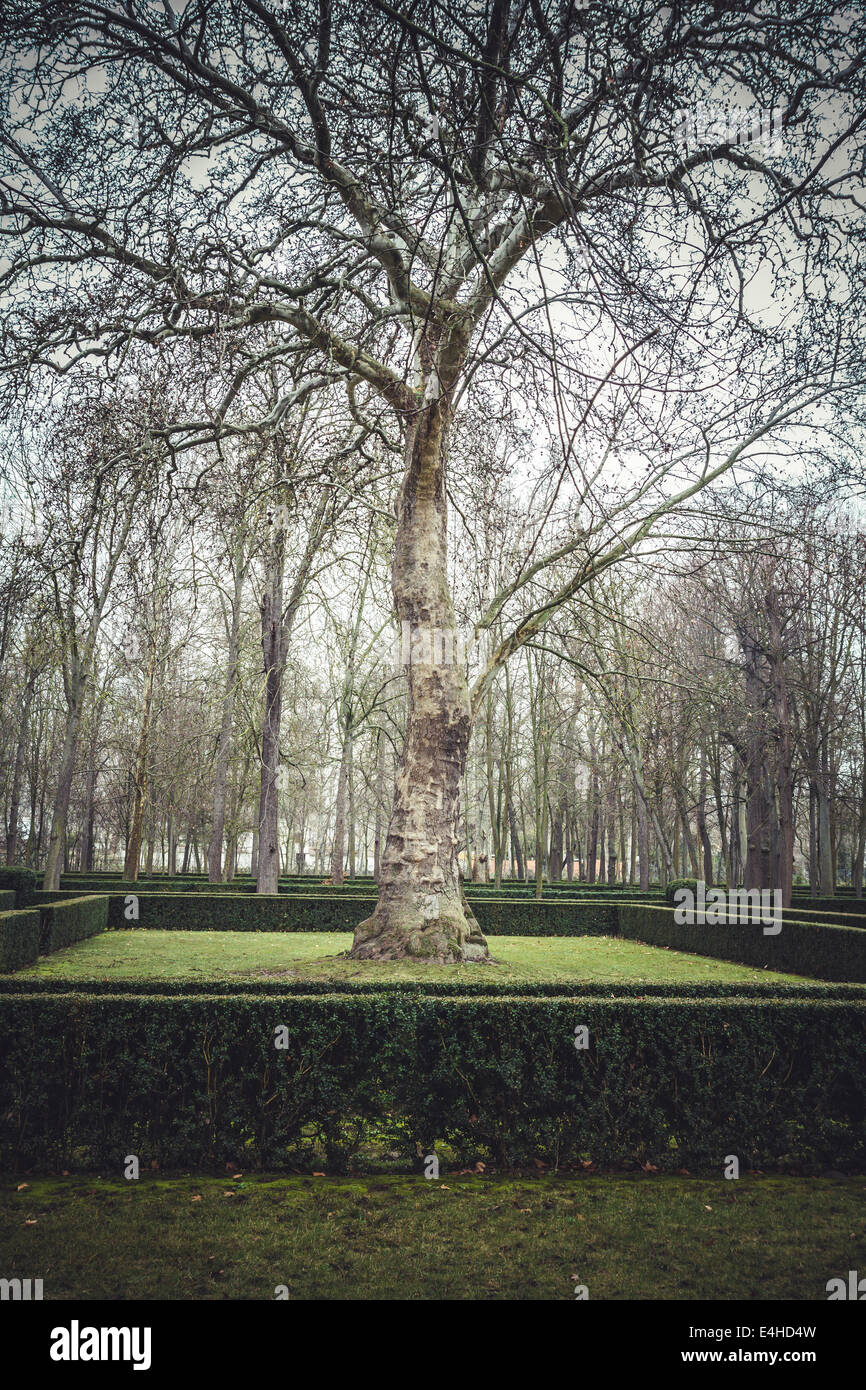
[457, 1238]
[238, 956]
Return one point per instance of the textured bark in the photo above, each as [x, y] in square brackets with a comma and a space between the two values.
[420, 911]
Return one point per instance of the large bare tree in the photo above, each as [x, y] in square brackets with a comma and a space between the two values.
[404, 198]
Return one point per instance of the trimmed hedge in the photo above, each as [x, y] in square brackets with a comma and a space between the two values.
[801, 948]
[19, 938]
[19, 880]
[675, 883]
[194, 1081]
[71, 919]
[480, 981]
[7, 899]
[340, 912]
[474, 891]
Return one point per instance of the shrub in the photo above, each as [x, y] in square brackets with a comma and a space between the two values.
[329, 911]
[690, 883]
[823, 952]
[195, 1080]
[7, 899]
[19, 880]
[71, 919]
[19, 938]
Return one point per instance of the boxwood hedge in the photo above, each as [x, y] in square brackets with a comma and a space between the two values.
[19, 938]
[801, 948]
[18, 880]
[328, 911]
[197, 1080]
[71, 919]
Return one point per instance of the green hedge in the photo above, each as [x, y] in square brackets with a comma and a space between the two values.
[212, 912]
[194, 1081]
[801, 948]
[19, 938]
[478, 982]
[18, 880]
[340, 912]
[70, 920]
[315, 887]
[675, 883]
[7, 899]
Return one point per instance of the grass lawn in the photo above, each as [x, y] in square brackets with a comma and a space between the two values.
[180, 955]
[459, 1238]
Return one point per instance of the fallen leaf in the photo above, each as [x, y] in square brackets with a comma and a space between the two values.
[197, 1198]
[30, 1223]
[319, 1175]
[22, 1186]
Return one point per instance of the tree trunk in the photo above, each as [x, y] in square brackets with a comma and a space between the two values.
[420, 911]
[273, 654]
[57, 840]
[338, 857]
[133, 847]
[215, 848]
[12, 827]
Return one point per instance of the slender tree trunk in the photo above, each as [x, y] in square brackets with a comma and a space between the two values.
[223, 751]
[338, 857]
[643, 842]
[133, 848]
[57, 840]
[380, 803]
[12, 825]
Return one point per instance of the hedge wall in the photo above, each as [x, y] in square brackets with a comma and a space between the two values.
[18, 880]
[19, 938]
[341, 912]
[801, 948]
[194, 1081]
[478, 982]
[7, 899]
[315, 886]
[71, 919]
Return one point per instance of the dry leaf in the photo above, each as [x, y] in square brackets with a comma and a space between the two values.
[22, 1186]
